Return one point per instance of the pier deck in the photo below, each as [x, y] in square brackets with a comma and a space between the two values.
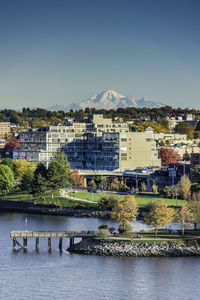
[48, 234]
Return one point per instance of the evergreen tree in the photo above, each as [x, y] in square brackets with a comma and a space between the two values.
[61, 158]
[56, 176]
[196, 179]
[39, 185]
[27, 180]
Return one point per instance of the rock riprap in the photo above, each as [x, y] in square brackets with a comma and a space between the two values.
[135, 249]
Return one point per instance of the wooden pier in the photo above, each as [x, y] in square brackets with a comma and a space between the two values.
[24, 235]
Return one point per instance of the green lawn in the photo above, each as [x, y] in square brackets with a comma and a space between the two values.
[149, 236]
[57, 200]
[153, 240]
[22, 196]
[142, 200]
[17, 196]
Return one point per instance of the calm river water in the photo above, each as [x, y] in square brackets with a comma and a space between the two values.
[58, 276]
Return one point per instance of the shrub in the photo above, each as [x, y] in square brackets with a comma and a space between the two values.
[111, 229]
[124, 228]
[123, 187]
[192, 243]
[103, 226]
[107, 202]
[103, 231]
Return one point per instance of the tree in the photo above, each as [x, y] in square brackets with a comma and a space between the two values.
[184, 187]
[168, 156]
[12, 143]
[27, 180]
[198, 126]
[20, 167]
[143, 187]
[125, 211]
[105, 183]
[6, 178]
[107, 202]
[92, 184]
[164, 123]
[155, 188]
[194, 206]
[115, 184]
[184, 216]
[123, 187]
[159, 215]
[196, 178]
[9, 162]
[56, 176]
[76, 179]
[39, 185]
[61, 158]
[154, 125]
[185, 128]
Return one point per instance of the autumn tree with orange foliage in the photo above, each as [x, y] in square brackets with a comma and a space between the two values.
[168, 156]
[76, 179]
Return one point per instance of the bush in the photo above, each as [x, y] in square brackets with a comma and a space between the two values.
[123, 187]
[129, 234]
[192, 243]
[107, 202]
[103, 226]
[103, 232]
[124, 228]
[111, 229]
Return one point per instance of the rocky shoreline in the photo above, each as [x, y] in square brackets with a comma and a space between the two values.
[30, 207]
[131, 249]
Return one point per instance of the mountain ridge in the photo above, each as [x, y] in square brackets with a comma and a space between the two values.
[109, 99]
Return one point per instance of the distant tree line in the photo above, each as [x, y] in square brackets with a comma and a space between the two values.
[41, 117]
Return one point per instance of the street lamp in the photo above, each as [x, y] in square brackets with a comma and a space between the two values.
[176, 198]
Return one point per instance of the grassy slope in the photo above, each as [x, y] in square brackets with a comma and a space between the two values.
[22, 196]
[142, 200]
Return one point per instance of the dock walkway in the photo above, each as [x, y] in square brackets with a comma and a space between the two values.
[49, 235]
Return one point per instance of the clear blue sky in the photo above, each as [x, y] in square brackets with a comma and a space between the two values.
[63, 51]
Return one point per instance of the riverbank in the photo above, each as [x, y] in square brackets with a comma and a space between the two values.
[54, 210]
[137, 249]
[32, 208]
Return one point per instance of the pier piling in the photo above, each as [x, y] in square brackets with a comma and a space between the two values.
[71, 241]
[37, 244]
[49, 244]
[25, 244]
[60, 244]
[14, 245]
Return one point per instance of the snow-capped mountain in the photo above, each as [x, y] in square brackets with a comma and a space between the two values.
[144, 102]
[109, 100]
